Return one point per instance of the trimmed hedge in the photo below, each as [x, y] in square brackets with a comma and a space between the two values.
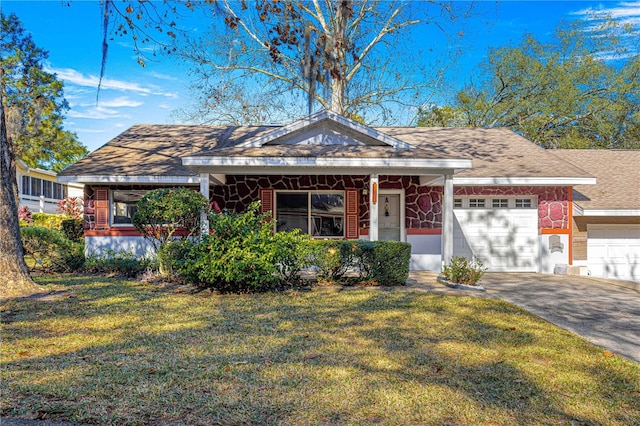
[375, 262]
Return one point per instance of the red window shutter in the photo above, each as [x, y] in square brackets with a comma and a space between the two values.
[266, 201]
[351, 209]
[101, 207]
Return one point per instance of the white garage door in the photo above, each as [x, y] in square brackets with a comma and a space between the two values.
[503, 238]
[613, 251]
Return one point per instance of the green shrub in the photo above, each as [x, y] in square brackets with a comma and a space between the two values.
[383, 262]
[172, 257]
[118, 263]
[163, 212]
[332, 258]
[242, 254]
[49, 249]
[48, 220]
[463, 271]
[73, 229]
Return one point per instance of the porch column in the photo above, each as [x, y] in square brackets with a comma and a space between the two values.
[374, 189]
[447, 220]
[204, 190]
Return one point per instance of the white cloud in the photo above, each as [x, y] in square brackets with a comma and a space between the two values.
[119, 102]
[90, 130]
[95, 113]
[625, 12]
[77, 78]
[161, 76]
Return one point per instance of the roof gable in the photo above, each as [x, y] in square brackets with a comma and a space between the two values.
[326, 128]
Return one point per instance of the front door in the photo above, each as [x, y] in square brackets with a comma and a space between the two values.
[389, 217]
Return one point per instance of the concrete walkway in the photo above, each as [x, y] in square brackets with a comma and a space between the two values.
[601, 311]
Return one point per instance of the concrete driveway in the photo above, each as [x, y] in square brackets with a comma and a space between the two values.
[599, 310]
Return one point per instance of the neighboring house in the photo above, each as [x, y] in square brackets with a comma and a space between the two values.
[447, 191]
[40, 190]
[606, 216]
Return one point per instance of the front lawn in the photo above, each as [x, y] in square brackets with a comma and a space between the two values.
[112, 351]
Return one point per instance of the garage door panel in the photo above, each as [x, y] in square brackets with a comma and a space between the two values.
[613, 251]
[503, 239]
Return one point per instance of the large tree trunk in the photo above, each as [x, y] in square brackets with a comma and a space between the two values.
[344, 11]
[15, 280]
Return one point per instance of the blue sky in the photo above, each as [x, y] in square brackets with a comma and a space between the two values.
[131, 94]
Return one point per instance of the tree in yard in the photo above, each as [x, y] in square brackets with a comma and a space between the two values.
[581, 91]
[280, 59]
[161, 213]
[34, 102]
[31, 106]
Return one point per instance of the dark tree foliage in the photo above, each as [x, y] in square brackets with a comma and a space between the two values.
[34, 102]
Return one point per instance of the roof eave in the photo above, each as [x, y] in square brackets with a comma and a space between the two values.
[536, 181]
[610, 212]
[108, 179]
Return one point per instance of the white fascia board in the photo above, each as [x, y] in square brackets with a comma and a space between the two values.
[131, 179]
[355, 163]
[317, 117]
[536, 181]
[577, 210]
[611, 212]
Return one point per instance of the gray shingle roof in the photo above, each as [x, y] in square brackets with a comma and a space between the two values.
[617, 173]
[156, 150]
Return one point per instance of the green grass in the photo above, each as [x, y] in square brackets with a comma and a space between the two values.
[111, 351]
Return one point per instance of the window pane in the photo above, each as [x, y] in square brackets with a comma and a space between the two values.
[292, 211]
[327, 214]
[25, 185]
[457, 203]
[523, 203]
[476, 202]
[123, 205]
[47, 188]
[500, 203]
[36, 187]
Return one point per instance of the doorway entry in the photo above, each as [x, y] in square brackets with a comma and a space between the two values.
[391, 226]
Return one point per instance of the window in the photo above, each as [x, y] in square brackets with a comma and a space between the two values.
[59, 191]
[36, 187]
[47, 189]
[457, 203]
[476, 202]
[123, 205]
[500, 203]
[25, 185]
[317, 213]
[523, 203]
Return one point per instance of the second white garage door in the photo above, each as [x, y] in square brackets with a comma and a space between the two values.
[504, 239]
[613, 251]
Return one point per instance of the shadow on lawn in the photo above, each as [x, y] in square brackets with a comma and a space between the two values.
[272, 358]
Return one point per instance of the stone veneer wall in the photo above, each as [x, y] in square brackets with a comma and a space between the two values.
[423, 203]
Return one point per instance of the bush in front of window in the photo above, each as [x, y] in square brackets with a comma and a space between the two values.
[241, 255]
[362, 262]
[163, 212]
[332, 258]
